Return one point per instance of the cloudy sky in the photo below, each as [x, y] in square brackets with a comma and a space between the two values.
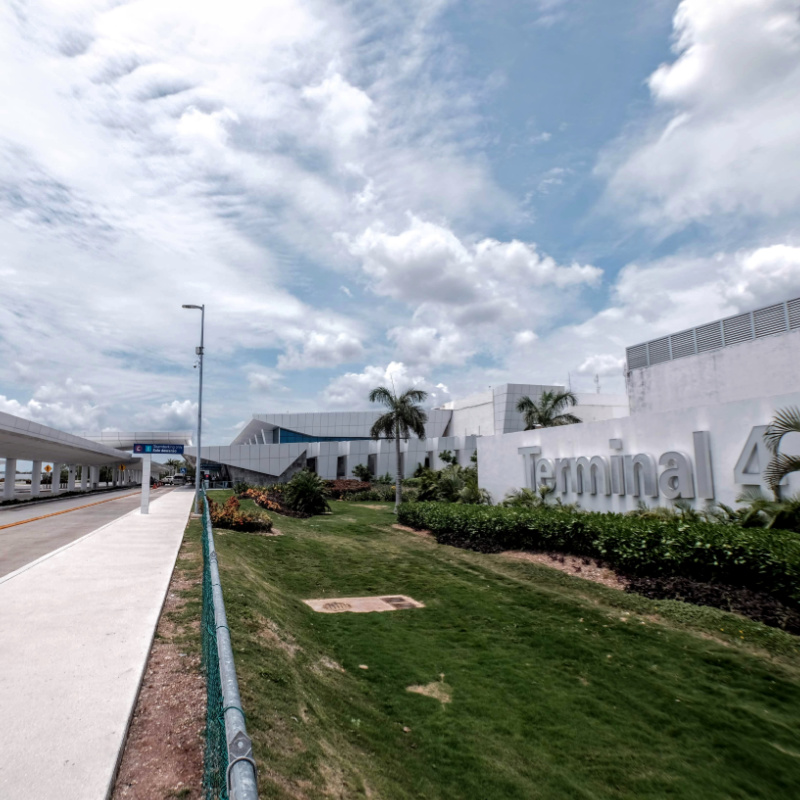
[450, 193]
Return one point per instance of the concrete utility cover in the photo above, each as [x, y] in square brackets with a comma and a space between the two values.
[338, 605]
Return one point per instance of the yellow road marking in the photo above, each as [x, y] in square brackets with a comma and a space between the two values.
[66, 511]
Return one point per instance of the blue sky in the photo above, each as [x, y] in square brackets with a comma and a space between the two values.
[450, 194]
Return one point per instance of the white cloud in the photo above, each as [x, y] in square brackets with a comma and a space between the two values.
[602, 364]
[466, 297]
[322, 349]
[345, 112]
[428, 345]
[428, 262]
[68, 406]
[524, 338]
[727, 138]
[179, 415]
[158, 153]
[352, 389]
[667, 296]
[264, 381]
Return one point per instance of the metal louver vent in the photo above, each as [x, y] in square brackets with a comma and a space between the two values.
[737, 329]
[658, 350]
[709, 337]
[794, 313]
[682, 344]
[637, 356]
[769, 321]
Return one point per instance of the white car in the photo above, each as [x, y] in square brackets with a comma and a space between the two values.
[167, 480]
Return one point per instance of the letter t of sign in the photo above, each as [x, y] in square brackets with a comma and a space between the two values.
[529, 464]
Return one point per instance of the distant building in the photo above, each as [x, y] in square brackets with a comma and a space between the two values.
[272, 447]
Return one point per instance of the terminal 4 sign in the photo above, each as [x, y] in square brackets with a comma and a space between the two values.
[159, 449]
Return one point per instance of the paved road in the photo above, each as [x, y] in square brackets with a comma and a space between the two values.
[33, 539]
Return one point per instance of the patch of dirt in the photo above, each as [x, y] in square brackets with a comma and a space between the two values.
[324, 664]
[273, 636]
[578, 566]
[423, 533]
[163, 755]
[438, 690]
[375, 508]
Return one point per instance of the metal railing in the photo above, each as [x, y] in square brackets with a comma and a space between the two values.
[767, 321]
[229, 769]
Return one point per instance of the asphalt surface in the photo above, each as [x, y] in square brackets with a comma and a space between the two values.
[34, 538]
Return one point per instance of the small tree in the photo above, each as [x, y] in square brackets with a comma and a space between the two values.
[403, 418]
[449, 457]
[549, 411]
[362, 473]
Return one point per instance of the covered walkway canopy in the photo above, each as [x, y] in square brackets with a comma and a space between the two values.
[21, 439]
[124, 440]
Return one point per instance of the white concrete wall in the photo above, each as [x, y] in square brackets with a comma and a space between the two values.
[594, 407]
[474, 415]
[502, 468]
[767, 366]
[271, 461]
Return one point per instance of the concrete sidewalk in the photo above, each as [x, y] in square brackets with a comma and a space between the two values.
[75, 631]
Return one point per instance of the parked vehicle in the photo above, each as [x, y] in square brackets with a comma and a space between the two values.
[167, 480]
[178, 480]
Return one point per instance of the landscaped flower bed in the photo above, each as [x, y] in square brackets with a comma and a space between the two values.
[344, 489]
[762, 560]
[270, 499]
[231, 517]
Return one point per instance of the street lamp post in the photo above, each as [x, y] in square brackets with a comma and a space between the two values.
[198, 470]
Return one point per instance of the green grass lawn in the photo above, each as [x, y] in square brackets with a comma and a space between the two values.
[560, 688]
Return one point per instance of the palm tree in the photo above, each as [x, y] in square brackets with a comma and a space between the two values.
[549, 411]
[403, 417]
[174, 464]
[787, 420]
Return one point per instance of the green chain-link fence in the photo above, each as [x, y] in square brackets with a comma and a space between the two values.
[216, 756]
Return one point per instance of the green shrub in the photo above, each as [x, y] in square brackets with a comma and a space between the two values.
[306, 493]
[362, 473]
[382, 493]
[762, 560]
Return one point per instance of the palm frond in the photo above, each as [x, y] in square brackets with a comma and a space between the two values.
[383, 427]
[779, 467]
[787, 420]
[524, 404]
[414, 396]
[382, 395]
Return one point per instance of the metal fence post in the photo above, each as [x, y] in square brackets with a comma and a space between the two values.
[241, 779]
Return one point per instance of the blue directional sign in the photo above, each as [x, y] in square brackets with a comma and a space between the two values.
[159, 449]
[183, 470]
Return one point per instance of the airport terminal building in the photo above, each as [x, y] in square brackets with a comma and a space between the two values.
[272, 447]
[700, 401]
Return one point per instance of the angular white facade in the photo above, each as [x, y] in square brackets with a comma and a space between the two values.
[272, 447]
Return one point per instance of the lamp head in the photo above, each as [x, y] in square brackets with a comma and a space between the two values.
[191, 306]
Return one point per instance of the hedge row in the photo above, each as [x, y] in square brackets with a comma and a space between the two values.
[759, 559]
